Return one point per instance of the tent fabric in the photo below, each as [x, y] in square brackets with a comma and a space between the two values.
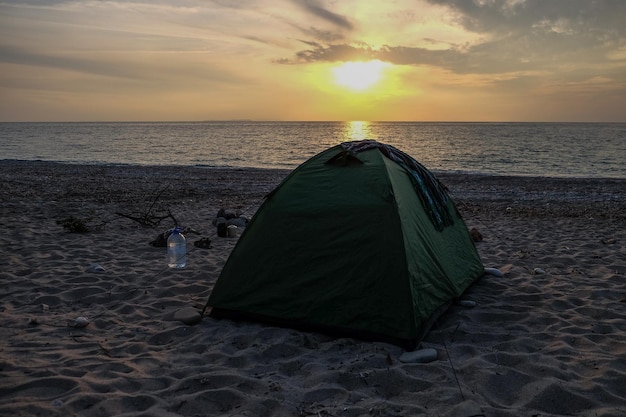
[344, 245]
[431, 191]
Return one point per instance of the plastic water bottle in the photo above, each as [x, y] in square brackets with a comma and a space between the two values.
[176, 249]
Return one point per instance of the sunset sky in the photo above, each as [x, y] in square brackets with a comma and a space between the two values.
[422, 60]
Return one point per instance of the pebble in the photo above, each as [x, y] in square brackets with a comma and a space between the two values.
[538, 271]
[188, 315]
[495, 272]
[95, 268]
[80, 322]
[419, 356]
[467, 303]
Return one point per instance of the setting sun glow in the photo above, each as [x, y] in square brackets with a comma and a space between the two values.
[359, 75]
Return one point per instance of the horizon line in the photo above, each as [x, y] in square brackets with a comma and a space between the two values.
[307, 121]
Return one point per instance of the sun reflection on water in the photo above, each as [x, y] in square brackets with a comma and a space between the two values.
[358, 130]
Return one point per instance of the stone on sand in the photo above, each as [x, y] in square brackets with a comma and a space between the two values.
[188, 315]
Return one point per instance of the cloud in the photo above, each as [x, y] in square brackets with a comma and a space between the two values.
[515, 36]
[40, 2]
[327, 36]
[11, 55]
[160, 71]
[595, 21]
[314, 7]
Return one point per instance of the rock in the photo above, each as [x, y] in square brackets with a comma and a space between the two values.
[80, 322]
[538, 271]
[495, 272]
[467, 303]
[188, 315]
[95, 268]
[419, 356]
[476, 235]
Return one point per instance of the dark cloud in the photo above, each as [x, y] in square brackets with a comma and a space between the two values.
[314, 7]
[335, 53]
[12, 55]
[327, 36]
[539, 34]
[399, 55]
[532, 35]
[127, 69]
[324, 35]
[576, 17]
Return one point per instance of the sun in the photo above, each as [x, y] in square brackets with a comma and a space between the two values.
[359, 75]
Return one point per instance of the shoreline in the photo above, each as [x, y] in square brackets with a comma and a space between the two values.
[438, 173]
[604, 197]
[17, 162]
[547, 343]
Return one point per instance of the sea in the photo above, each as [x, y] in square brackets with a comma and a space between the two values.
[590, 150]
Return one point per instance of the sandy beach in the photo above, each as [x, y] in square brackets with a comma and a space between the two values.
[546, 339]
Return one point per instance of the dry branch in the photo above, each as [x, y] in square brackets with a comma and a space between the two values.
[149, 218]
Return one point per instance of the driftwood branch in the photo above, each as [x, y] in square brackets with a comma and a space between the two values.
[149, 218]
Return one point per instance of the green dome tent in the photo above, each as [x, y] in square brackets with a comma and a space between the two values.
[360, 241]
